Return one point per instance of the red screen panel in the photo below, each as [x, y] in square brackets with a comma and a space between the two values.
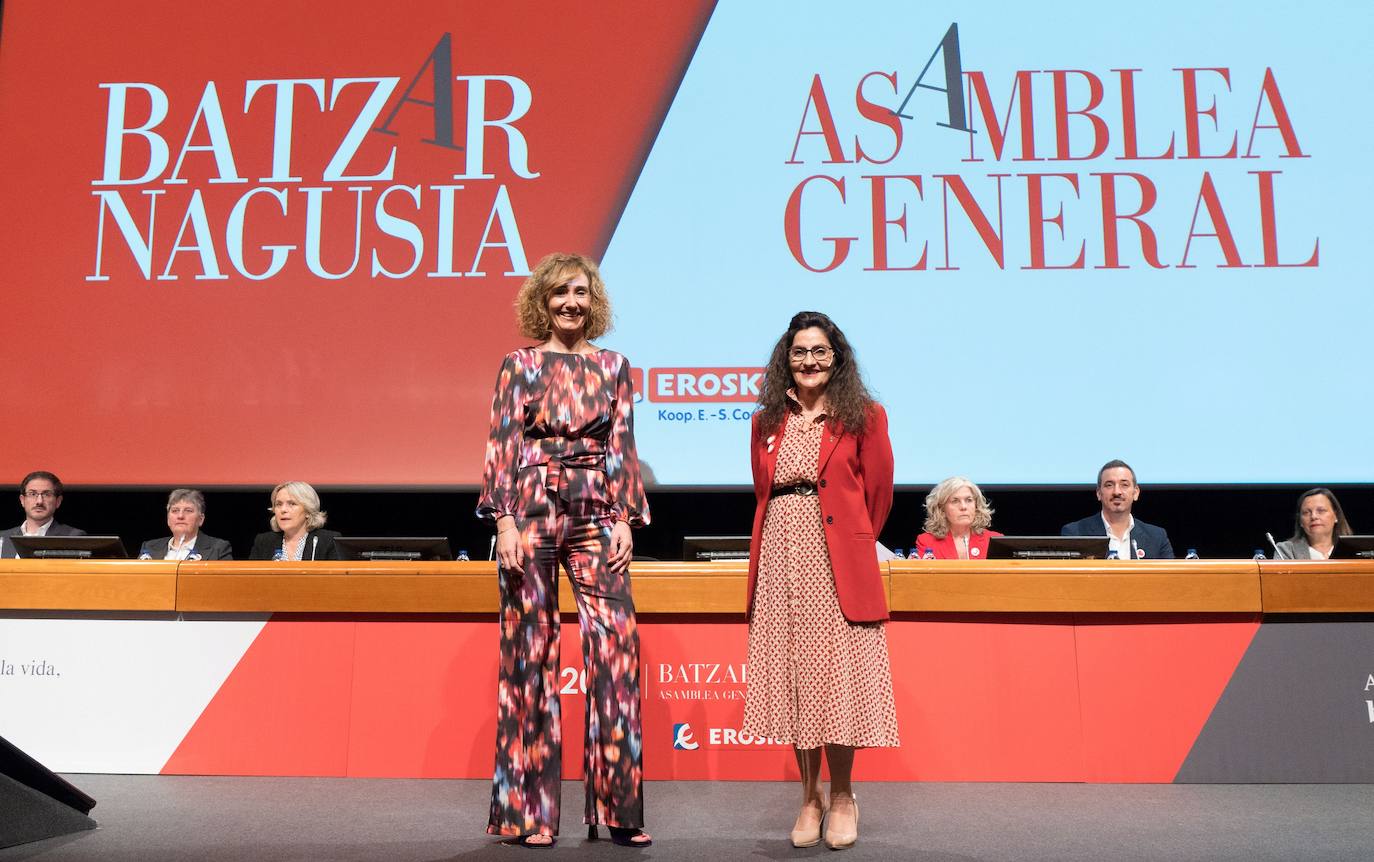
[241, 243]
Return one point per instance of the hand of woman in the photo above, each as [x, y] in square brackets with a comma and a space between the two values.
[510, 552]
[622, 547]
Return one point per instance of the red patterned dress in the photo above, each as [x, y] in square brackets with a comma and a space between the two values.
[814, 677]
[561, 461]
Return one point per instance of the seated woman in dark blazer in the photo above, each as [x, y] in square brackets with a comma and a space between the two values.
[957, 522]
[185, 517]
[296, 522]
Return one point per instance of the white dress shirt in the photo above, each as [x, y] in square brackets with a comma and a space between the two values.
[1123, 547]
[184, 552]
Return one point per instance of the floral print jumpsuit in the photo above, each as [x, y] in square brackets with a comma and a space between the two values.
[561, 461]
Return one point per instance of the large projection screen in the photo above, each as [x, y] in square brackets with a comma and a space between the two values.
[267, 239]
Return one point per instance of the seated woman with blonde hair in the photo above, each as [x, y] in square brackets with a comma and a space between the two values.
[957, 522]
[296, 523]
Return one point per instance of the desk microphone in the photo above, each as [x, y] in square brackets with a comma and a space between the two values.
[314, 540]
[1278, 555]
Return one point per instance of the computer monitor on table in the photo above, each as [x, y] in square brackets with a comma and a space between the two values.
[1353, 548]
[706, 549]
[379, 548]
[69, 547]
[1047, 548]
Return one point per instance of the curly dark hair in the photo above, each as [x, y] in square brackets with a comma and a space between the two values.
[847, 399]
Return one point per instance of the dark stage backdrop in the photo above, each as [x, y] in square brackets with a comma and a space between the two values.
[1218, 522]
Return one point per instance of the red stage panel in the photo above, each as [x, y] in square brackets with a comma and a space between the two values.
[1147, 687]
[424, 700]
[979, 698]
[694, 676]
[984, 700]
[284, 710]
[198, 372]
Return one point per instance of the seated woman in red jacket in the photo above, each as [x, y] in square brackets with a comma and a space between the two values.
[957, 521]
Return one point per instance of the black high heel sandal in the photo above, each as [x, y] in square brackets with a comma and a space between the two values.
[620, 836]
[524, 841]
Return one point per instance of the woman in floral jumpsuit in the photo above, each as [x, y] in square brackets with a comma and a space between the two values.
[562, 484]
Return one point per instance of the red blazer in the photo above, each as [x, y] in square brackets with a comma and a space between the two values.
[944, 548]
[855, 489]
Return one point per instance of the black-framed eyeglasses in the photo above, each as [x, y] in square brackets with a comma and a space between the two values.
[822, 354]
[40, 495]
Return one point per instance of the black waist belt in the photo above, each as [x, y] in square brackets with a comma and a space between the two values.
[801, 489]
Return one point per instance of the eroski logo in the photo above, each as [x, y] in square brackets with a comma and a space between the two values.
[719, 737]
[712, 385]
[682, 737]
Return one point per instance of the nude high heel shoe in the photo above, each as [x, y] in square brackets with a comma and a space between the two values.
[840, 831]
[808, 836]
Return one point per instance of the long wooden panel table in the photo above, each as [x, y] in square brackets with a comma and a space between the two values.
[337, 587]
[1182, 586]
[1312, 586]
[1075, 586]
[88, 585]
[448, 587]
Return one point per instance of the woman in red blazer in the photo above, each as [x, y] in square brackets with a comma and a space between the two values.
[819, 676]
[957, 521]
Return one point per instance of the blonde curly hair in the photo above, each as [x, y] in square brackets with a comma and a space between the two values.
[532, 301]
[936, 522]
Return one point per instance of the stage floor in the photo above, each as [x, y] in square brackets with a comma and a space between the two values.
[218, 819]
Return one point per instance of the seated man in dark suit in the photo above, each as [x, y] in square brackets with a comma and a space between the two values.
[40, 494]
[185, 517]
[1130, 538]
